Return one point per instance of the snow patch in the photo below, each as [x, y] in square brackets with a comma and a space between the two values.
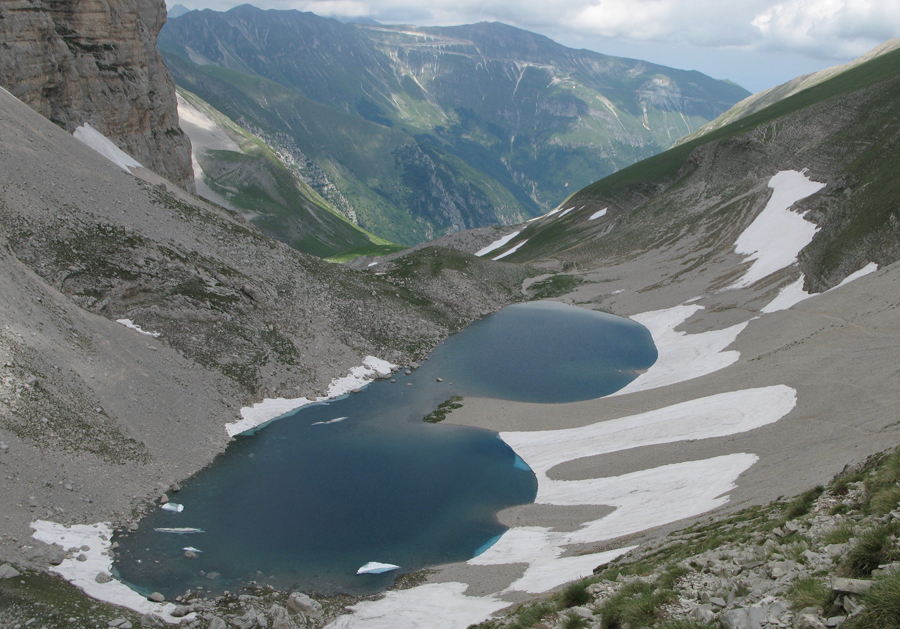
[274, 408]
[871, 267]
[682, 356]
[599, 214]
[372, 263]
[511, 251]
[788, 296]
[103, 145]
[128, 323]
[82, 573]
[566, 212]
[793, 294]
[775, 237]
[497, 244]
[421, 606]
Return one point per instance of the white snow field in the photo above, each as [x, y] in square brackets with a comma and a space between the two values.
[682, 356]
[273, 408]
[103, 145]
[775, 237]
[82, 573]
[599, 214]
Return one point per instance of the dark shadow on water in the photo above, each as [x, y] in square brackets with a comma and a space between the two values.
[304, 503]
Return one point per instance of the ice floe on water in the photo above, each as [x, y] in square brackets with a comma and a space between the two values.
[93, 541]
[128, 323]
[330, 421]
[497, 244]
[682, 356]
[173, 507]
[272, 408]
[374, 567]
[775, 237]
[103, 145]
[178, 530]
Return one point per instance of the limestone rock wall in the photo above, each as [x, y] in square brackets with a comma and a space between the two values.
[96, 61]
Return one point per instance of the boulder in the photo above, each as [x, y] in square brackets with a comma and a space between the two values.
[850, 586]
[280, 618]
[300, 602]
[8, 572]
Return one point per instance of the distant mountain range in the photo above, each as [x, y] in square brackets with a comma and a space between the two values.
[427, 131]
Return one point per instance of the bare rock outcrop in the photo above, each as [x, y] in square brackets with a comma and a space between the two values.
[96, 61]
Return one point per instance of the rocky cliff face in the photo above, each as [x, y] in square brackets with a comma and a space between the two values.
[96, 61]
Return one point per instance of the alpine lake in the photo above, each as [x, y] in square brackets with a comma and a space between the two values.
[303, 502]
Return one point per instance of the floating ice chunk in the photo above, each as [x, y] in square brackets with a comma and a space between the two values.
[599, 214]
[330, 421]
[103, 145]
[172, 506]
[178, 530]
[192, 549]
[373, 567]
[128, 323]
[497, 244]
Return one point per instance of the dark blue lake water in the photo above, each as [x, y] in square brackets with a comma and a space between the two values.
[302, 504]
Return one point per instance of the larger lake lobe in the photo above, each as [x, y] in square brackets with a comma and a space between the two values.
[307, 500]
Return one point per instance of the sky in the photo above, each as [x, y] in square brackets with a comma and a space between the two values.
[755, 43]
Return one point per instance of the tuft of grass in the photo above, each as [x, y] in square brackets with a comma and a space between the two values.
[574, 621]
[689, 624]
[801, 505]
[809, 592]
[637, 604]
[882, 605]
[840, 535]
[574, 594]
[884, 500]
[532, 615]
[874, 547]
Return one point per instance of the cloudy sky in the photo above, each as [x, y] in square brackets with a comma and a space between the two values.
[756, 43]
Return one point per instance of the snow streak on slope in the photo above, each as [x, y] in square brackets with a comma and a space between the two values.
[497, 244]
[103, 145]
[777, 235]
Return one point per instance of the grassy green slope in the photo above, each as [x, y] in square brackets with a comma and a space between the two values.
[376, 167]
[844, 128]
[280, 203]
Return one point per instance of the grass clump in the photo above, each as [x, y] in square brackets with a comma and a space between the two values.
[809, 592]
[637, 604]
[532, 615]
[689, 624]
[573, 621]
[876, 546]
[801, 505]
[882, 605]
[574, 594]
[840, 535]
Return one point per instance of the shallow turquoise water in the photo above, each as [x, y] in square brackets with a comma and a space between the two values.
[303, 504]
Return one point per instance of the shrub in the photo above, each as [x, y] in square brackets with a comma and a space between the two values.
[635, 605]
[573, 621]
[840, 535]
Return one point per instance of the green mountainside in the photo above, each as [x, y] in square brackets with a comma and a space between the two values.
[842, 130]
[265, 182]
[428, 131]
